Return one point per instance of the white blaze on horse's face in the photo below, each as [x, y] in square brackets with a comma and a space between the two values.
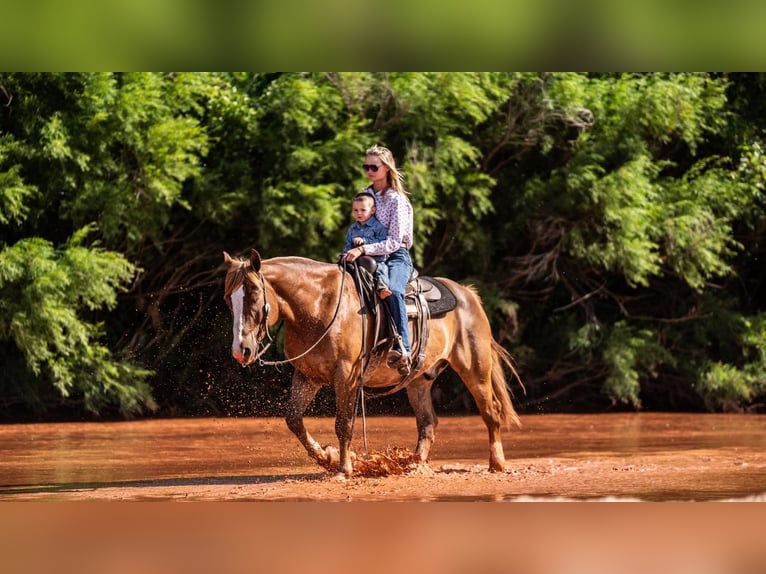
[237, 308]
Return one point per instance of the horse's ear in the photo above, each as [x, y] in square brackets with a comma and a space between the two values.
[255, 260]
[228, 259]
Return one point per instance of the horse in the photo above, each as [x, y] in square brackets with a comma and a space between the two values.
[321, 315]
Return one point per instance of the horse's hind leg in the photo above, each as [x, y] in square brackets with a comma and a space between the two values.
[419, 395]
[477, 376]
[484, 400]
[302, 393]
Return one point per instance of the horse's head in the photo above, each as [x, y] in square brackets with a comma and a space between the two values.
[245, 295]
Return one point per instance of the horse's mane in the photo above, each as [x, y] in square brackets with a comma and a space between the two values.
[238, 274]
[297, 263]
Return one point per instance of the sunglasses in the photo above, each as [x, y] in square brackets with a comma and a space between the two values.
[372, 168]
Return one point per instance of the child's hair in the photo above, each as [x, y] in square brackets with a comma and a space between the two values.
[364, 195]
[395, 178]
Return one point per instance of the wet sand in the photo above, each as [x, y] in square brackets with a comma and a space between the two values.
[636, 456]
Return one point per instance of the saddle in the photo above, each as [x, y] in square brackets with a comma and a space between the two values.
[424, 297]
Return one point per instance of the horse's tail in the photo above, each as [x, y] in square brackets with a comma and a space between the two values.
[500, 390]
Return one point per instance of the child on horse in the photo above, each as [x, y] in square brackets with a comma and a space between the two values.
[366, 230]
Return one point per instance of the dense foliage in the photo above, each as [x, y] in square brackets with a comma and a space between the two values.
[613, 223]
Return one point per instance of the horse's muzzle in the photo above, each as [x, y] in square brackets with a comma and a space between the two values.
[244, 356]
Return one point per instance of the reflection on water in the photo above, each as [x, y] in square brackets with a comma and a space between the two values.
[46, 457]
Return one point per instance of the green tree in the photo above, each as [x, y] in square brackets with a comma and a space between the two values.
[613, 224]
[46, 295]
[85, 155]
[629, 233]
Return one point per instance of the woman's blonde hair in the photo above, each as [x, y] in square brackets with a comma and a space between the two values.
[395, 178]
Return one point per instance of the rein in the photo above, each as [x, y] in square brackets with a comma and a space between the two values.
[264, 326]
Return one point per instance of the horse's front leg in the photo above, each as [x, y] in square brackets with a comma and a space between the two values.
[302, 393]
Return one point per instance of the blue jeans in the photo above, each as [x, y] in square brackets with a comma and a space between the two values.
[399, 273]
[381, 273]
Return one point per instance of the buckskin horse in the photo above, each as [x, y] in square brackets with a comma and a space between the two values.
[321, 315]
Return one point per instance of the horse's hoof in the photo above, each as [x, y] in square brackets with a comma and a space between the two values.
[340, 477]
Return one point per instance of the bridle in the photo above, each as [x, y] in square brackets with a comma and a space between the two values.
[263, 327]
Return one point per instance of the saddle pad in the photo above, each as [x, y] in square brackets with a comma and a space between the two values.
[443, 304]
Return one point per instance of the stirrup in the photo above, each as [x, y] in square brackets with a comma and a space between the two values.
[393, 358]
[405, 366]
